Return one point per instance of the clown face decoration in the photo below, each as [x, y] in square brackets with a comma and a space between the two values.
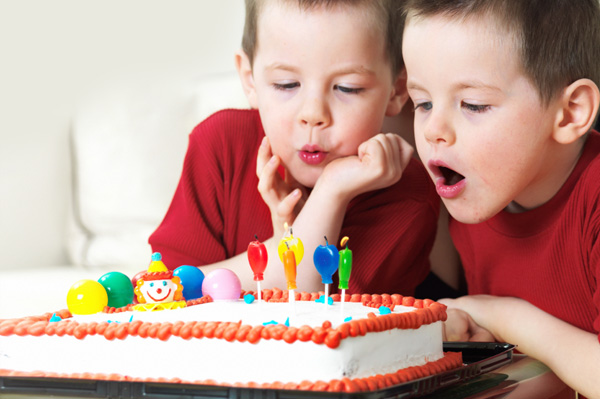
[160, 287]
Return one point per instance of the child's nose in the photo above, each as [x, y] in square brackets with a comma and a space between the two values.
[158, 290]
[314, 112]
[438, 129]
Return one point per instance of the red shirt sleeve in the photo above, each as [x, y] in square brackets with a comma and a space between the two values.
[218, 183]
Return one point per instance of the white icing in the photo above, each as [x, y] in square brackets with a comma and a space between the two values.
[300, 313]
[200, 359]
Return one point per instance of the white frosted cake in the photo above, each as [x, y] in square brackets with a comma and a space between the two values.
[302, 344]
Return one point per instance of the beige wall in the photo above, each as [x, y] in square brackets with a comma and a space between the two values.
[52, 55]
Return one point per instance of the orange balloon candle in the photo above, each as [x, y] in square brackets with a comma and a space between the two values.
[289, 265]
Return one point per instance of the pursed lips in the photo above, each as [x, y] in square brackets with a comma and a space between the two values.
[312, 154]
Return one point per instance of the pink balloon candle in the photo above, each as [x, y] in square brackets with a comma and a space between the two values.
[222, 284]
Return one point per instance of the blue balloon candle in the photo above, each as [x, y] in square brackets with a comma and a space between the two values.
[326, 259]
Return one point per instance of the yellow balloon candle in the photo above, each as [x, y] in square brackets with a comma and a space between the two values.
[292, 243]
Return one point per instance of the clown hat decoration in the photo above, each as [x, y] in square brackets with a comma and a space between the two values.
[157, 265]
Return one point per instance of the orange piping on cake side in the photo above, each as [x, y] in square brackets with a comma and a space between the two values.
[428, 312]
[450, 361]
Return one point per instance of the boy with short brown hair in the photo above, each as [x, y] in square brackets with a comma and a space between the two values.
[320, 77]
[505, 94]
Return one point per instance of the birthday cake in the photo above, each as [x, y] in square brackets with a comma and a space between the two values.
[307, 341]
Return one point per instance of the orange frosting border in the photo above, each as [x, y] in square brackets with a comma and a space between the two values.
[450, 361]
[428, 311]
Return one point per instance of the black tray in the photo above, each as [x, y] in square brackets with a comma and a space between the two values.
[478, 358]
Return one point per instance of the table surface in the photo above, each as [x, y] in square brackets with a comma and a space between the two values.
[523, 378]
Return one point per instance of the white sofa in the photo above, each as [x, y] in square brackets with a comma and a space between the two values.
[97, 101]
[93, 140]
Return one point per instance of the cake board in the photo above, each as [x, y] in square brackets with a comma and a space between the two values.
[478, 359]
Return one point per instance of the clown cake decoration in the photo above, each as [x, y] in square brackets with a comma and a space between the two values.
[158, 289]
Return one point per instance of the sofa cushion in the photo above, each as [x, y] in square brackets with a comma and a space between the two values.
[128, 145]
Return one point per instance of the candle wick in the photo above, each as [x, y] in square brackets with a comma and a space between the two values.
[326, 242]
[255, 236]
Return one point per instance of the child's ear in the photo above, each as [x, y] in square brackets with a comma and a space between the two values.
[399, 95]
[577, 111]
[242, 64]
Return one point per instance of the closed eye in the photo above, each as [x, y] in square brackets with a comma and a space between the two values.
[349, 90]
[286, 86]
[477, 108]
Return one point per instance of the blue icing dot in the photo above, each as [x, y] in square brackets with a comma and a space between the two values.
[248, 298]
[384, 310]
[54, 318]
[266, 323]
[347, 319]
[287, 322]
[322, 299]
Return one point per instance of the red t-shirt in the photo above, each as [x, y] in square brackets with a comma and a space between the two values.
[549, 256]
[217, 210]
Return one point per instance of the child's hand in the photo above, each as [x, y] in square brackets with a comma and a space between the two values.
[283, 197]
[379, 164]
[460, 327]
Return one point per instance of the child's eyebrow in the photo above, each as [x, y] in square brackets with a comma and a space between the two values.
[470, 84]
[476, 84]
[411, 85]
[345, 70]
[354, 69]
[278, 65]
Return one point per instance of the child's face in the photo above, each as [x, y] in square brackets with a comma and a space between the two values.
[480, 127]
[322, 82]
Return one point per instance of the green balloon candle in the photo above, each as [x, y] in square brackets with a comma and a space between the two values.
[118, 289]
[345, 264]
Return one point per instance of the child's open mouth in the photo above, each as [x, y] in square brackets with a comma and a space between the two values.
[448, 183]
[451, 177]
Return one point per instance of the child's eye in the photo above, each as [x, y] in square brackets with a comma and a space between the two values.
[286, 86]
[426, 106]
[348, 90]
[475, 107]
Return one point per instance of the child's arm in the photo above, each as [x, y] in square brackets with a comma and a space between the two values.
[379, 164]
[572, 354]
[284, 197]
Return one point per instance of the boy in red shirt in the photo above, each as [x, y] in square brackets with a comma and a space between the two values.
[321, 76]
[505, 94]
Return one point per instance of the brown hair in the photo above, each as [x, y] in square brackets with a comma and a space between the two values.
[387, 13]
[558, 40]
